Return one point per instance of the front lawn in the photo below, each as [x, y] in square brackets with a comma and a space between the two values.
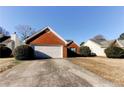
[110, 69]
[7, 63]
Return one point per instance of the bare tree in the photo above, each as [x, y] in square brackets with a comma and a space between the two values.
[121, 37]
[99, 37]
[25, 31]
[3, 32]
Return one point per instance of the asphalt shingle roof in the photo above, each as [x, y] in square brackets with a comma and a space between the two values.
[103, 43]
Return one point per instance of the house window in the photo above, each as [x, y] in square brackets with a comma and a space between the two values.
[73, 49]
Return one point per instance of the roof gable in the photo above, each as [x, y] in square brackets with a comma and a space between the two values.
[70, 42]
[98, 41]
[120, 43]
[103, 43]
[2, 39]
[44, 31]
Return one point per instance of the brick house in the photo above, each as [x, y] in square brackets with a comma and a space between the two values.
[48, 44]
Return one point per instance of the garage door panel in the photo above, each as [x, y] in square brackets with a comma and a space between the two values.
[40, 54]
[49, 51]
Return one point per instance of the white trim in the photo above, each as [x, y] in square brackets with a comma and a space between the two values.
[76, 43]
[94, 43]
[35, 34]
[57, 35]
[50, 30]
[62, 52]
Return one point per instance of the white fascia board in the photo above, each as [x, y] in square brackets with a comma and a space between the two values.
[43, 30]
[57, 34]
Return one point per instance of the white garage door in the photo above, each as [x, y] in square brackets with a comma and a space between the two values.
[49, 51]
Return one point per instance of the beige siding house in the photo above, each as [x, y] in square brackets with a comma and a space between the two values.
[119, 43]
[98, 46]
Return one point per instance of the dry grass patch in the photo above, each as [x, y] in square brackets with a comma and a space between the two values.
[110, 69]
[7, 63]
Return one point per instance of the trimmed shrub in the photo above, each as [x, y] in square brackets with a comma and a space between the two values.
[24, 52]
[85, 51]
[114, 52]
[93, 54]
[5, 51]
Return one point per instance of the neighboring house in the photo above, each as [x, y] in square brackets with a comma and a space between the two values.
[119, 43]
[48, 44]
[15, 38]
[10, 41]
[73, 48]
[98, 46]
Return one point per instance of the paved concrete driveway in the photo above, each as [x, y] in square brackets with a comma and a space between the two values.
[50, 73]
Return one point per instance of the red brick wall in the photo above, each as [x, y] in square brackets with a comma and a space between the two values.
[49, 38]
[64, 51]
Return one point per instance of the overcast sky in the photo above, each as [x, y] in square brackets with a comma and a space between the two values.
[76, 23]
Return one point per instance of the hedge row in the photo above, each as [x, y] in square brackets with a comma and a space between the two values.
[5, 51]
[86, 52]
[114, 52]
[23, 52]
[26, 52]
